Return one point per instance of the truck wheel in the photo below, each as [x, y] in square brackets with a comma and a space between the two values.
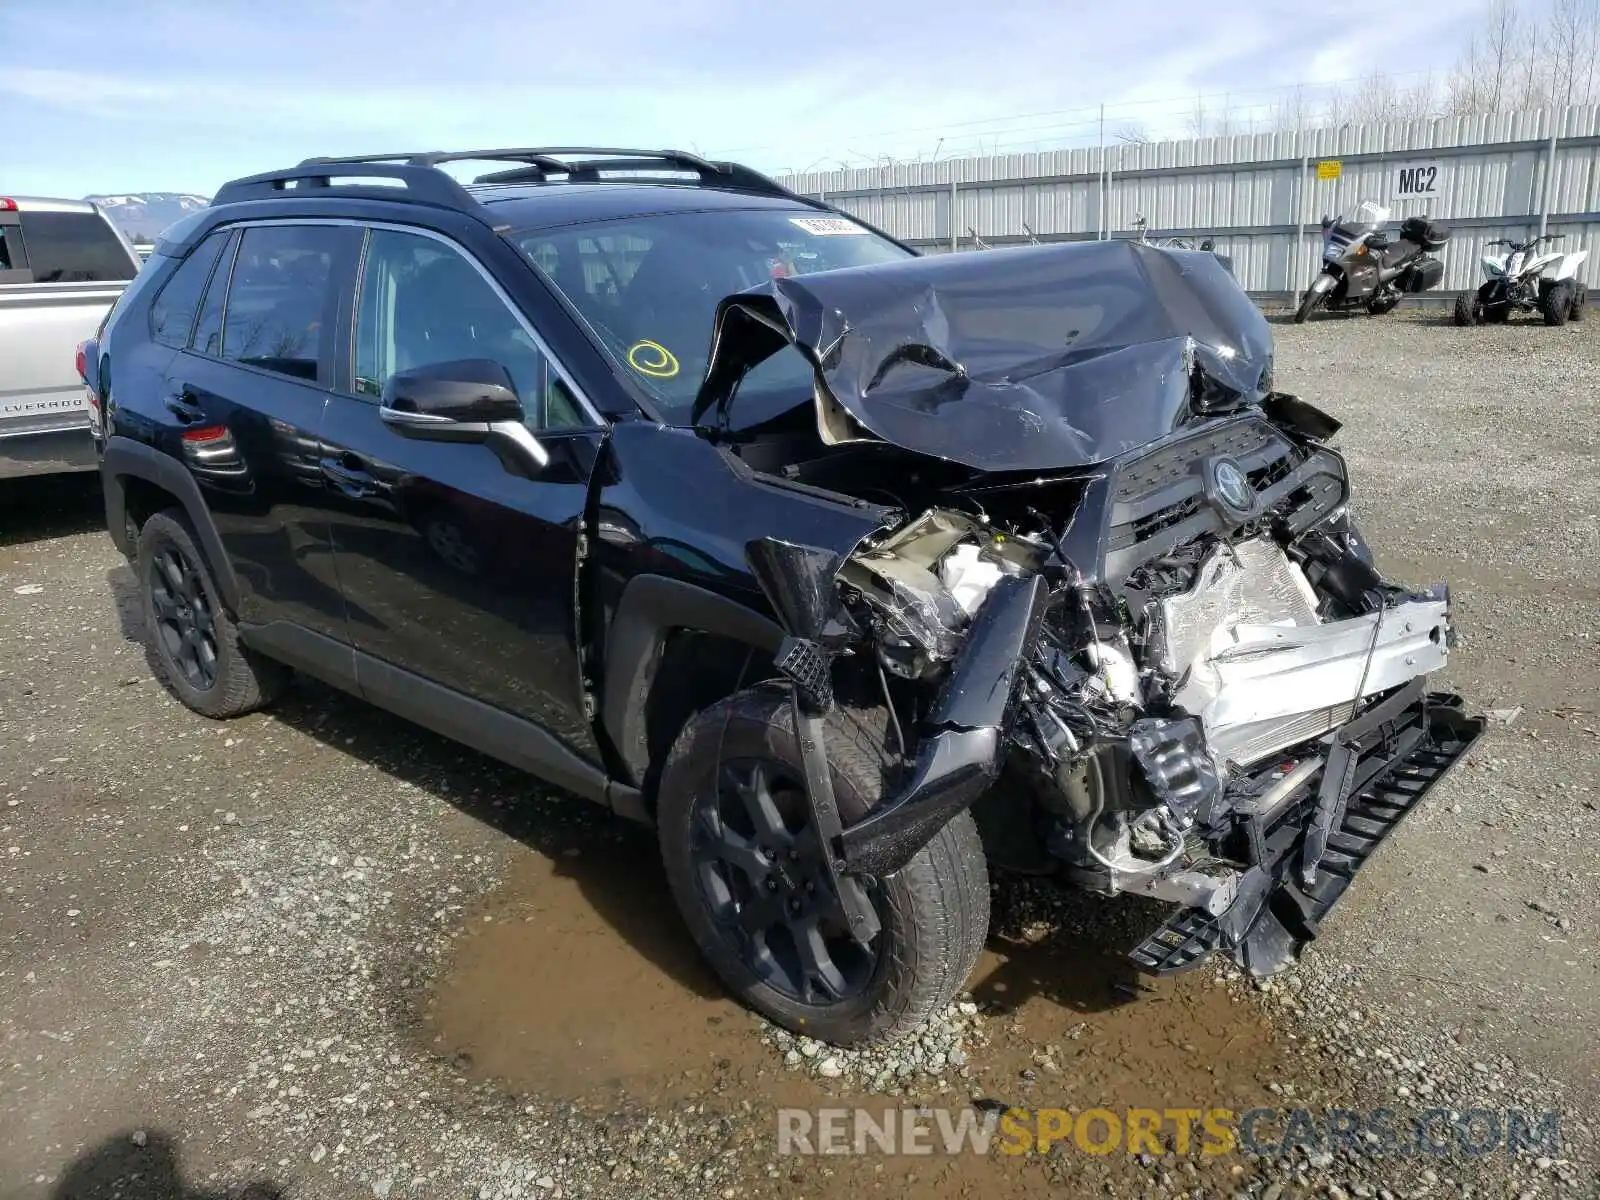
[733, 825]
[1556, 303]
[193, 642]
[1466, 311]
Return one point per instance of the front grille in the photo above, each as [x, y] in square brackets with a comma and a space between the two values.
[1158, 500]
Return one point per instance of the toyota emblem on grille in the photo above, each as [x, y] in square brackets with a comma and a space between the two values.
[1233, 486]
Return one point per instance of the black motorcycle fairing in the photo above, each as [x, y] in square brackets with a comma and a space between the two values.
[1027, 358]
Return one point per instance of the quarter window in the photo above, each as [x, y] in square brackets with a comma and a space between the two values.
[208, 329]
[282, 275]
[173, 312]
[424, 303]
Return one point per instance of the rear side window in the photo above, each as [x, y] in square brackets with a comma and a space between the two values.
[173, 312]
[75, 247]
[10, 258]
[279, 298]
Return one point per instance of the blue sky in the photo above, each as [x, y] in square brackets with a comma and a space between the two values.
[180, 95]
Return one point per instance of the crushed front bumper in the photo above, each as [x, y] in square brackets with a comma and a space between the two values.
[1305, 849]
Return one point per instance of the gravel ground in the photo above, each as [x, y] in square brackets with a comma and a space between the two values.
[320, 953]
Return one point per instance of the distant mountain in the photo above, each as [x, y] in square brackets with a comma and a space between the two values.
[143, 215]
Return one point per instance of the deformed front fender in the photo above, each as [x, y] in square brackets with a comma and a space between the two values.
[959, 757]
[650, 608]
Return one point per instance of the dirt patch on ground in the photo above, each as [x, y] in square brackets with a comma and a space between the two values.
[577, 982]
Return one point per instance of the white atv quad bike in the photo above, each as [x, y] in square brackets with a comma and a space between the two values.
[1522, 280]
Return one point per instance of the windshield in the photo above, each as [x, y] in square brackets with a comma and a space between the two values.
[1367, 218]
[649, 286]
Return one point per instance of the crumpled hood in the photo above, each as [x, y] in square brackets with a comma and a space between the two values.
[1033, 358]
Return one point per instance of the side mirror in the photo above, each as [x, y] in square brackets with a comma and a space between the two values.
[469, 400]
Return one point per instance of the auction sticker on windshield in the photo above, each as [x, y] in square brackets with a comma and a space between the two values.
[827, 226]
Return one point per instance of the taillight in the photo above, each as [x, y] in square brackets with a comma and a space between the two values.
[7, 204]
[83, 362]
[204, 434]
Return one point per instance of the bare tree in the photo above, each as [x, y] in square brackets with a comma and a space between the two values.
[1133, 133]
[1571, 41]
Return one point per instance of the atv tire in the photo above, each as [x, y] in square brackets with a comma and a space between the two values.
[1466, 311]
[732, 801]
[1580, 297]
[190, 637]
[1556, 303]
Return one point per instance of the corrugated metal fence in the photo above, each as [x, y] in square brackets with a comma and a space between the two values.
[1260, 196]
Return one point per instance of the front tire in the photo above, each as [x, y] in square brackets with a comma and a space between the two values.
[1466, 311]
[1309, 301]
[192, 640]
[735, 840]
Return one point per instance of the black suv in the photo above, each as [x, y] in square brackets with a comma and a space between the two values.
[717, 506]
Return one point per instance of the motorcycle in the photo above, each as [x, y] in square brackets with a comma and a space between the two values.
[1362, 268]
[1522, 281]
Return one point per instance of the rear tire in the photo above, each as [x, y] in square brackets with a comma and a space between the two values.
[1466, 311]
[934, 913]
[1580, 298]
[192, 641]
[1556, 303]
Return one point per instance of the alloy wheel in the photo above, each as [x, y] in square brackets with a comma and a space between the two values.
[185, 624]
[761, 874]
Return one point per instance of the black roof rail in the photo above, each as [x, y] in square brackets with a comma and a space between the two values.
[578, 164]
[414, 176]
[416, 184]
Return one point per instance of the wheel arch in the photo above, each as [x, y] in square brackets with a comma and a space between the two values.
[657, 621]
[139, 480]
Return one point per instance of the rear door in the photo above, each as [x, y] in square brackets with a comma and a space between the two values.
[454, 568]
[244, 401]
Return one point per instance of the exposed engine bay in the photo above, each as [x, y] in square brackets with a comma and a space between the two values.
[1172, 660]
[1181, 688]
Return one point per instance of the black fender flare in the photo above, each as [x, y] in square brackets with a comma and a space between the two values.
[125, 459]
[651, 607]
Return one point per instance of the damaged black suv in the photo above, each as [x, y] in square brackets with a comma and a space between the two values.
[852, 571]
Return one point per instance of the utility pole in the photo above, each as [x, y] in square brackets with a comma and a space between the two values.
[1100, 228]
[1549, 172]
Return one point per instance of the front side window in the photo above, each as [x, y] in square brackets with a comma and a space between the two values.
[173, 311]
[649, 286]
[75, 247]
[424, 303]
[278, 298]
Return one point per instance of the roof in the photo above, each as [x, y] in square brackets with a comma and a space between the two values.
[547, 205]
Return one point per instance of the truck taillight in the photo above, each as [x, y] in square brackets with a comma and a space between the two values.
[7, 204]
[83, 363]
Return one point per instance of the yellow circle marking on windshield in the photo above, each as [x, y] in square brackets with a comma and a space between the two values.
[652, 359]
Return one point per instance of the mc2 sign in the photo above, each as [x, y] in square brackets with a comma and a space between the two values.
[1417, 180]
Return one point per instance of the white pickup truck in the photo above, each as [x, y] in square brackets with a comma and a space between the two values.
[62, 266]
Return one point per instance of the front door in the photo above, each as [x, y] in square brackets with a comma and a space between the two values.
[452, 567]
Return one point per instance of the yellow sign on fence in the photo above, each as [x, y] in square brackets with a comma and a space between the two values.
[1329, 168]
